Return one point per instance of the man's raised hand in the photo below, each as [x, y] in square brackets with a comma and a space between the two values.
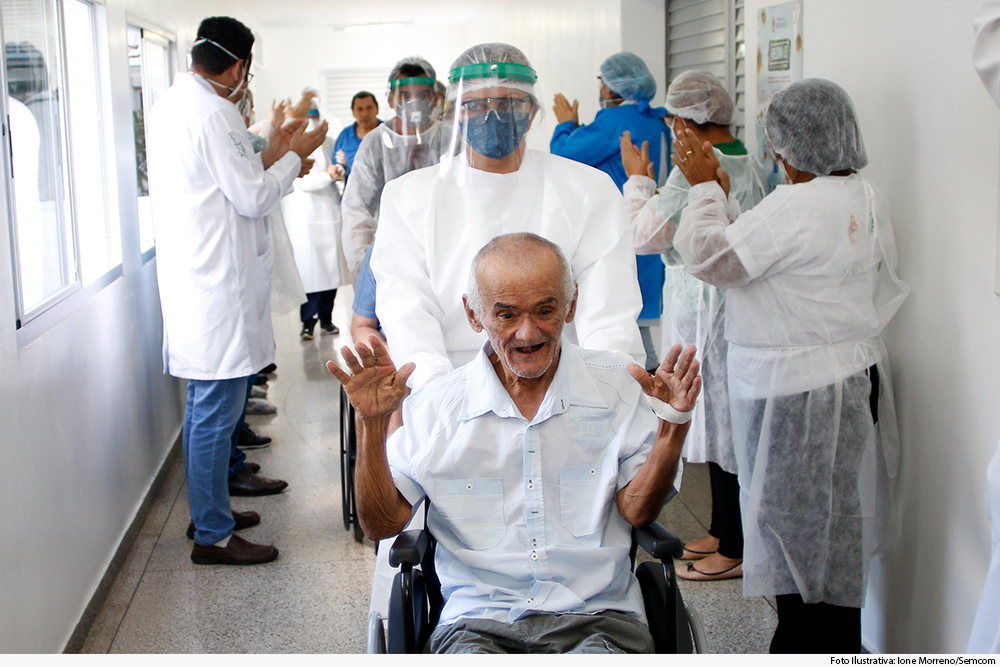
[676, 380]
[374, 387]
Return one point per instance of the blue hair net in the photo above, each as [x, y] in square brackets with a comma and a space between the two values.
[626, 74]
[812, 124]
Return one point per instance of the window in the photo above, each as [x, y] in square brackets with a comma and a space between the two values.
[710, 35]
[149, 67]
[62, 203]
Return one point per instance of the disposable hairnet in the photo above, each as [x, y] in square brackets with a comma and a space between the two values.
[699, 96]
[626, 74]
[812, 124]
[491, 52]
[415, 61]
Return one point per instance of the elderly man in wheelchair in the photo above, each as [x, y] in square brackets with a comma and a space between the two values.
[537, 458]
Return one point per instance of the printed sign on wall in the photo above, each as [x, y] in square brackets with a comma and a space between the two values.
[779, 63]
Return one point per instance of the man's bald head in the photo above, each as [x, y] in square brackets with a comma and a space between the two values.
[519, 253]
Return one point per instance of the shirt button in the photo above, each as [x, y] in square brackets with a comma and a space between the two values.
[529, 600]
[593, 472]
[530, 486]
[534, 555]
[468, 487]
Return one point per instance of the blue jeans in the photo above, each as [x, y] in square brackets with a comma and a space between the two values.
[212, 421]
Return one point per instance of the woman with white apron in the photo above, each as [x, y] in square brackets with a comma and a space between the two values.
[694, 311]
[811, 278]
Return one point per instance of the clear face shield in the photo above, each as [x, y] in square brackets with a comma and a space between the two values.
[413, 99]
[491, 106]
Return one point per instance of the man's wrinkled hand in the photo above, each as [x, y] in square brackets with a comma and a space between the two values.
[675, 382]
[374, 387]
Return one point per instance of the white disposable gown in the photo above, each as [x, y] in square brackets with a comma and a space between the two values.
[209, 194]
[312, 216]
[434, 221]
[811, 273]
[694, 311]
[986, 628]
[382, 156]
[986, 48]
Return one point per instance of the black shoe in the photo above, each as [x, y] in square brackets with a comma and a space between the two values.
[260, 379]
[270, 368]
[250, 440]
[245, 483]
[237, 552]
[242, 519]
[329, 328]
[307, 331]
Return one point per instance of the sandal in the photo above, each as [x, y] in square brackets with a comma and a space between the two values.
[691, 573]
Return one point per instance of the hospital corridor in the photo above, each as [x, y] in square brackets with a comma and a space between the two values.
[521, 326]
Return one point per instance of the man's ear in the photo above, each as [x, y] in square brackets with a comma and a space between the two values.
[473, 320]
[572, 306]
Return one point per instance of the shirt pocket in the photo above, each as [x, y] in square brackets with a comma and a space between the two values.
[474, 510]
[583, 498]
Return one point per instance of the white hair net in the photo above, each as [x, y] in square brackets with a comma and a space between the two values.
[699, 96]
[812, 124]
[488, 53]
[416, 61]
[626, 74]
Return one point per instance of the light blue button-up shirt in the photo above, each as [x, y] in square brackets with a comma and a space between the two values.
[525, 512]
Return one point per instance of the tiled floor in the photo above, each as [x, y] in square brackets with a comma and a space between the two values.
[314, 598]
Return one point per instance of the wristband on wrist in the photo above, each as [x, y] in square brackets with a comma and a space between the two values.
[667, 413]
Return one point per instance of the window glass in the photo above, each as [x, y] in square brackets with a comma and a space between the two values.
[44, 245]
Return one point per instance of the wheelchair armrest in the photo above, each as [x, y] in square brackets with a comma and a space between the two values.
[408, 548]
[658, 542]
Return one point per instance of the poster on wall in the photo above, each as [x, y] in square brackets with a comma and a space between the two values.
[779, 63]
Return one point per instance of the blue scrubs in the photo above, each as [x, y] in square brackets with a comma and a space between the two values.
[598, 145]
[348, 141]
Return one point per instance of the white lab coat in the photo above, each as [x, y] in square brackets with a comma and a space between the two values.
[312, 217]
[433, 221]
[209, 195]
[811, 273]
[985, 636]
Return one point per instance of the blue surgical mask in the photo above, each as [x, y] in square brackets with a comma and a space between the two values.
[496, 134]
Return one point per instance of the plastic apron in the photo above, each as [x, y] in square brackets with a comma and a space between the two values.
[817, 477]
[694, 311]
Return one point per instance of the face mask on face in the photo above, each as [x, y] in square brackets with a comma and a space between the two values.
[415, 112]
[496, 134]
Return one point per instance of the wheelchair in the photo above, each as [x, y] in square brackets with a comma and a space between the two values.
[415, 603]
[348, 458]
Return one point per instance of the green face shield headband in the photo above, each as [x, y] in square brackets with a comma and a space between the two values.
[412, 81]
[512, 71]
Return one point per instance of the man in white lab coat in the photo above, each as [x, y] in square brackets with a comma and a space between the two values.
[210, 193]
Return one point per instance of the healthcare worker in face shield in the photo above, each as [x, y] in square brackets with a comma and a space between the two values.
[694, 311]
[811, 278]
[627, 86]
[312, 215]
[409, 141]
[210, 193]
[433, 222]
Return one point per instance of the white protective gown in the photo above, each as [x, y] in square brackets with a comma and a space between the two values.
[434, 221]
[382, 156]
[694, 311]
[986, 48]
[312, 216]
[209, 194]
[811, 273]
[985, 636]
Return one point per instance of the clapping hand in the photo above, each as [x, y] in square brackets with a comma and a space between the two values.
[304, 143]
[698, 161]
[676, 380]
[635, 160]
[375, 388]
[565, 111]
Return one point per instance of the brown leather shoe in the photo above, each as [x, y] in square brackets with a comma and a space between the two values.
[237, 552]
[245, 483]
[242, 519]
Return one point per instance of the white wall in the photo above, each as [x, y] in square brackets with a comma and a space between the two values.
[566, 41]
[88, 417]
[933, 140]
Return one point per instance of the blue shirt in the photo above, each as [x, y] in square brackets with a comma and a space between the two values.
[348, 141]
[599, 145]
[520, 532]
[364, 290]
